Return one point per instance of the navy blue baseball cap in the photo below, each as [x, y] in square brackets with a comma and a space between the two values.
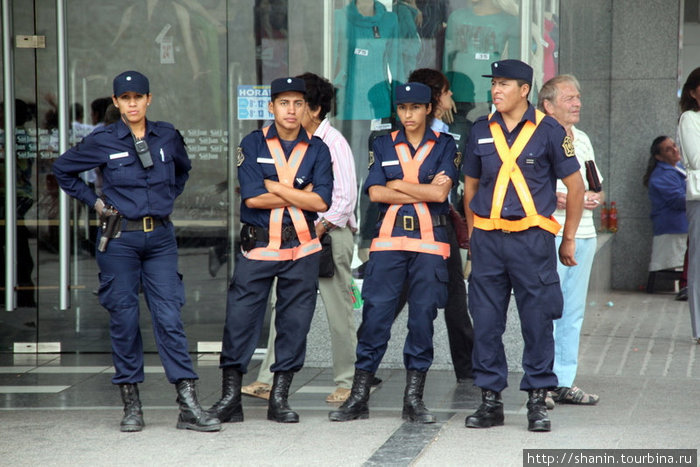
[511, 69]
[415, 93]
[290, 84]
[130, 81]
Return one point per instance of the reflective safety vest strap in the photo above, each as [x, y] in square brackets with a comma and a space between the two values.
[426, 244]
[286, 172]
[510, 173]
[517, 225]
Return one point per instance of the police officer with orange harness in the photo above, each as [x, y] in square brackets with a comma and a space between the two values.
[286, 177]
[512, 161]
[410, 175]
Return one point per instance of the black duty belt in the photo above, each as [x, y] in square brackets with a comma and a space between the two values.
[289, 233]
[411, 222]
[146, 224]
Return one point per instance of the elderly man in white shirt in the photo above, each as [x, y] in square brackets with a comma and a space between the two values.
[560, 97]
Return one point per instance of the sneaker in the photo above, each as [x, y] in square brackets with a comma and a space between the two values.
[339, 395]
[682, 295]
[257, 389]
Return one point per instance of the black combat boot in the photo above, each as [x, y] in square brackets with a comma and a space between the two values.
[537, 417]
[278, 409]
[192, 416]
[229, 408]
[133, 416]
[413, 407]
[355, 406]
[489, 413]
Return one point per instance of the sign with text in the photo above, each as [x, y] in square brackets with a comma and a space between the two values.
[252, 102]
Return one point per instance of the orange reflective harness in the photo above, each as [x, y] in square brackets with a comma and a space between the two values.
[426, 243]
[510, 172]
[286, 172]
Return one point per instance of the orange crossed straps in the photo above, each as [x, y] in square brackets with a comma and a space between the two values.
[510, 172]
[426, 243]
[286, 172]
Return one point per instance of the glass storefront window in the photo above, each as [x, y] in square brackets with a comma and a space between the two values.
[210, 63]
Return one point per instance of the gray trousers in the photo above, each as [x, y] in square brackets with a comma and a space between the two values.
[692, 211]
[336, 294]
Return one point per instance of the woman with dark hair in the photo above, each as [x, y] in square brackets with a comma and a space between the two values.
[689, 141]
[665, 179]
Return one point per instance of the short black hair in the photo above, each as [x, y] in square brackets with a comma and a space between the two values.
[319, 93]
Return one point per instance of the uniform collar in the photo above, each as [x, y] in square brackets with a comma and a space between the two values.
[123, 130]
[528, 115]
[302, 136]
[401, 137]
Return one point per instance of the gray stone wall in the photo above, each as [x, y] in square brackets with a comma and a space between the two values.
[625, 54]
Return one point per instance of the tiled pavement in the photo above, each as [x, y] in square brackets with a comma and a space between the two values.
[637, 354]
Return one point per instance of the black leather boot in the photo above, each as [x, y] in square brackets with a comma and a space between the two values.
[229, 408]
[489, 413]
[192, 416]
[413, 407]
[133, 416]
[537, 416]
[355, 406]
[278, 409]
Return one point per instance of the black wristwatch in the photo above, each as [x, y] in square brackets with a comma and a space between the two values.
[327, 225]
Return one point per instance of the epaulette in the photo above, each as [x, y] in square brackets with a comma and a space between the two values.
[165, 125]
[483, 117]
[550, 121]
[102, 129]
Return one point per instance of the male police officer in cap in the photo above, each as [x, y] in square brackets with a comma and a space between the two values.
[511, 164]
[286, 178]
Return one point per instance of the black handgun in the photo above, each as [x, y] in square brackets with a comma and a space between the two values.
[111, 226]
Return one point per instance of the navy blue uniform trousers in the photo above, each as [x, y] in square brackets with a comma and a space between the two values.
[147, 260]
[525, 262]
[246, 304]
[426, 278]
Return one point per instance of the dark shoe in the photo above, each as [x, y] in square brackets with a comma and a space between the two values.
[214, 263]
[489, 413]
[278, 409]
[192, 416]
[376, 381]
[682, 295]
[537, 417]
[356, 405]
[133, 416]
[229, 408]
[413, 407]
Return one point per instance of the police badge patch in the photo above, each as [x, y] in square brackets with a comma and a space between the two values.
[568, 146]
[458, 159]
[371, 159]
[240, 157]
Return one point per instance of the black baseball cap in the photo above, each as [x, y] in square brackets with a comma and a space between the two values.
[288, 84]
[130, 81]
[511, 69]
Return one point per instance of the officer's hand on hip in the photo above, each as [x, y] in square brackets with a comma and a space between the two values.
[567, 250]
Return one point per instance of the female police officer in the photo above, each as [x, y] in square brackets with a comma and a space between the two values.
[144, 168]
[411, 172]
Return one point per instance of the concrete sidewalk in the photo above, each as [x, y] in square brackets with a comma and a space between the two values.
[637, 354]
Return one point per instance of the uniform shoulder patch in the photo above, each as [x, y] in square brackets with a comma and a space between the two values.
[568, 146]
[240, 157]
[458, 159]
[371, 159]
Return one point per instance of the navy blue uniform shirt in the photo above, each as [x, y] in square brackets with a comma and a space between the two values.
[135, 192]
[386, 166]
[542, 161]
[257, 165]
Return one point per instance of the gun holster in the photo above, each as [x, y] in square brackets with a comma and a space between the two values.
[111, 222]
